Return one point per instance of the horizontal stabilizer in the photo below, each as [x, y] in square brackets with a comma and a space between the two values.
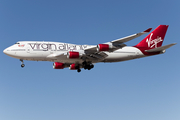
[159, 49]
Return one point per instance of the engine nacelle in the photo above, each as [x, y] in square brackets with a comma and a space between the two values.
[73, 55]
[105, 47]
[73, 67]
[58, 65]
[102, 47]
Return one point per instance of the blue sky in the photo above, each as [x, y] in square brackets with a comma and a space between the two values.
[142, 89]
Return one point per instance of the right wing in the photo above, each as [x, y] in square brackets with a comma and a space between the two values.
[128, 38]
[94, 53]
[119, 42]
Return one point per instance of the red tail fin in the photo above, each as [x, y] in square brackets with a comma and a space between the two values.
[154, 39]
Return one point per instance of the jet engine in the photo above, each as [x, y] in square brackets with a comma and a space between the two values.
[102, 47]
[73, 55]
[105, 47]
[58, 65]
[74, 67]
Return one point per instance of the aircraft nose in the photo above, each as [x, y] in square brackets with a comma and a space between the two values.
[5, 51]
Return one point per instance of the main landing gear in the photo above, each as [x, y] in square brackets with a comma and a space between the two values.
[22, 63]
[78, 70]
[87, 65]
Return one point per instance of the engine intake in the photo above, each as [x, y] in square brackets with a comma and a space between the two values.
[58, 65]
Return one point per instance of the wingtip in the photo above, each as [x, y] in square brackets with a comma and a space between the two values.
[174, 43]
[148, 30]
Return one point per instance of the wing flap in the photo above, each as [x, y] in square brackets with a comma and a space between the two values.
[96, 56]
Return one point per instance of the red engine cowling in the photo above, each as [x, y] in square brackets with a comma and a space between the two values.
[73, 67]
[103, 47]
[58, 65]
[73, 55]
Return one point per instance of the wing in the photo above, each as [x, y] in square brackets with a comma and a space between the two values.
[98, 53]
[117, 44]
[97, 56]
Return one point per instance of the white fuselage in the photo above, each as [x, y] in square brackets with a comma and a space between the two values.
[39, 51]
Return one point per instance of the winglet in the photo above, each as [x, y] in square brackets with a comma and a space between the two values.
[148, 30]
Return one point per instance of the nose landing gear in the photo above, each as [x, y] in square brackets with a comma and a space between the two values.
[22, 63]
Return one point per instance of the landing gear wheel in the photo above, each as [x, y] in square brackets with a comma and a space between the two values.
[92, 66]
[22, 65]
[89, 67]
[78, 70]
[85, 67]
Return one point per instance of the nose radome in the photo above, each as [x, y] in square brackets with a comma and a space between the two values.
[5, 51]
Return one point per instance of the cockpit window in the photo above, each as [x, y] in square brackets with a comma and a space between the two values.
[17, 43]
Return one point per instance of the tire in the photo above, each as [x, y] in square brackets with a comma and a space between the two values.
[22, 65]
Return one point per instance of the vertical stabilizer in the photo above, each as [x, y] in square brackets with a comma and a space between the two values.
[154, 39]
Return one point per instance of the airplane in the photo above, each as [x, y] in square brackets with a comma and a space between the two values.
[77, 57]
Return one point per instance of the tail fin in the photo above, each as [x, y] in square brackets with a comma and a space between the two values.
[154, 39]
